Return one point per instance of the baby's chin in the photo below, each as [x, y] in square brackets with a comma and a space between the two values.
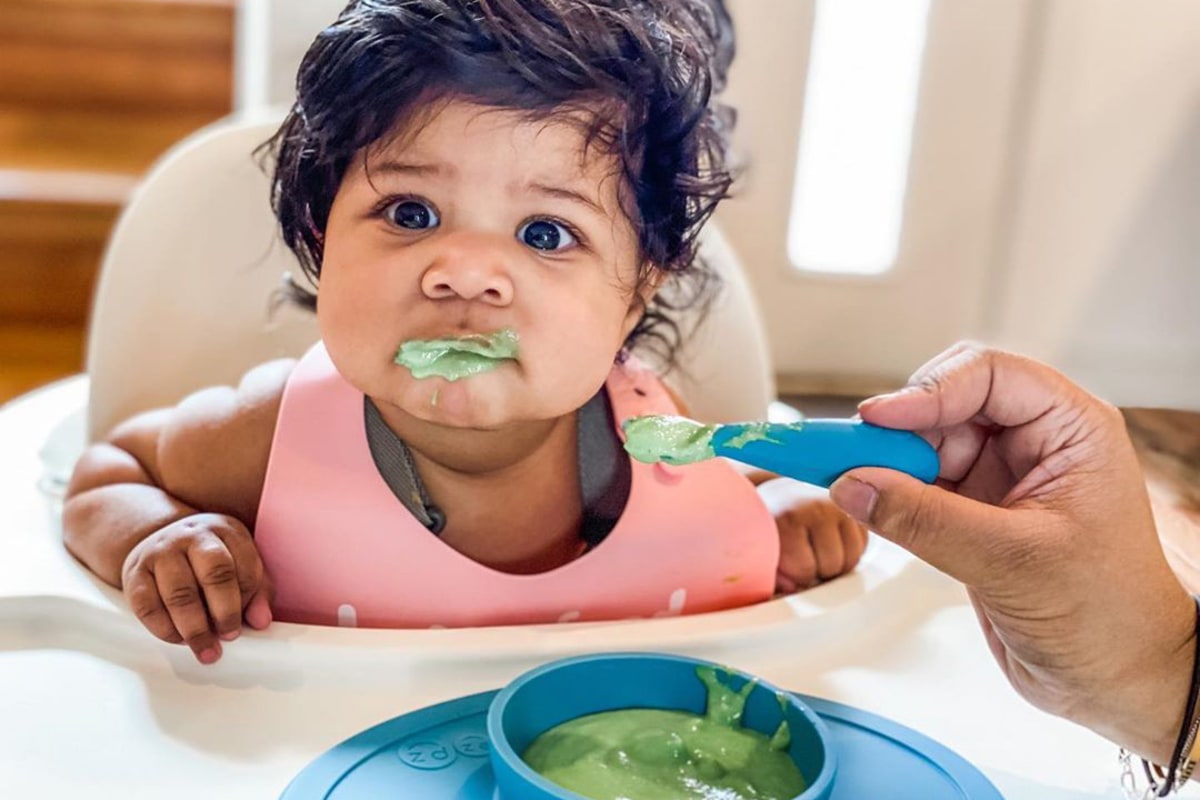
[469, 403]
[487, 401]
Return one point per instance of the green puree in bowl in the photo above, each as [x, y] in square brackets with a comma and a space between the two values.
[457, 357]
[653, 754]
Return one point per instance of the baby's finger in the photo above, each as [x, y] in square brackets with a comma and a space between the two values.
[854, 542]
[827, 547]
[249, 565]
[147, 605]
[796, 559]
[258, 610]
[181, 595]
[217, 575]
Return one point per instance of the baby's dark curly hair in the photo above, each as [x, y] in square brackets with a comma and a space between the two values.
[643, 72]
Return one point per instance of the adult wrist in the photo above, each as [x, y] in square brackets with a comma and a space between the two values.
[1167, 776]
[1182, 684]
[1142, 707]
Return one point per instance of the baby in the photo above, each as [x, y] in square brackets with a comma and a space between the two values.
[497, 199]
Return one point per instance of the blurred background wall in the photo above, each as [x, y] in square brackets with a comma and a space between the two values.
[1101, 269]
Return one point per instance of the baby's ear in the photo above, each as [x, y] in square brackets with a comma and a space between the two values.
[652, 280]
[649, 282]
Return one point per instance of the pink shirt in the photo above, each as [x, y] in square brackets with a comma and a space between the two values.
[343, 550]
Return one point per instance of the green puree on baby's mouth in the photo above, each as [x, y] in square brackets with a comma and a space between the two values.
[654, 754]
[456, 357]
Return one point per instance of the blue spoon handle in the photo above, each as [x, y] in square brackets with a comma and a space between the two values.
[817, 451]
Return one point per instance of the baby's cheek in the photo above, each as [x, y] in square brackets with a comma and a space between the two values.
[354, 330]
[364, 362]
[338, 329]
[576, 364]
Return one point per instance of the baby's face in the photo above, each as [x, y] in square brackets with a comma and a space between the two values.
[477, 222]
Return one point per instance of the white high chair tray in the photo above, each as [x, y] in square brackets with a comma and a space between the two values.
[94, 706]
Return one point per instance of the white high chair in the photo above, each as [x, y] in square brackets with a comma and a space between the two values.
[185, 301]
[185, 293]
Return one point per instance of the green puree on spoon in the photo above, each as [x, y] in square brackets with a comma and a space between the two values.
[458, 357]
[815, 451]
[656, 754]
[679, 440]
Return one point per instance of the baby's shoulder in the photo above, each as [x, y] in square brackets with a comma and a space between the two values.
[215, 447]
[254, 401]
[262, 386]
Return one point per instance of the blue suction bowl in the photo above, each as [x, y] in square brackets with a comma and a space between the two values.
[564, 690]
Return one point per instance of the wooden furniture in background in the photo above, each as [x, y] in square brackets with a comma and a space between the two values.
[1168, 444]
[92, 92]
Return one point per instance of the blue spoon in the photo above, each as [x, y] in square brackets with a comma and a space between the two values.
[815, 451]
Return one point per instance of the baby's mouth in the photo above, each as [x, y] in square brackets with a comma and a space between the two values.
[458, 357]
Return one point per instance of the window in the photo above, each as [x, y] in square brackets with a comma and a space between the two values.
[855, 143]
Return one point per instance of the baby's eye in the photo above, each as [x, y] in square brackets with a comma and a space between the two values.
[544, 234]
[411, 214]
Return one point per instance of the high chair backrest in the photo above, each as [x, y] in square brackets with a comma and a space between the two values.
[187, 293]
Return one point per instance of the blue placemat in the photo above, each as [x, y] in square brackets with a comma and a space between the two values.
[441, 753]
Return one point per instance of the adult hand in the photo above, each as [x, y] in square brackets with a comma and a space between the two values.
[1041, 510]
[194, 580]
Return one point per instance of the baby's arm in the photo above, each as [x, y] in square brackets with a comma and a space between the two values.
[163, 511]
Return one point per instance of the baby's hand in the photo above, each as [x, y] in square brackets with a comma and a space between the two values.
[817, 541]
[194, 580]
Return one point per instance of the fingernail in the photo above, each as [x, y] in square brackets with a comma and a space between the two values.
[854, 497]
[209, 656]
[881, 398]
[229, 636]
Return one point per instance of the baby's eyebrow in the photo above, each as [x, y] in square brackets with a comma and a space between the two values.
[445, 170]
[568, 194]
[406, 168]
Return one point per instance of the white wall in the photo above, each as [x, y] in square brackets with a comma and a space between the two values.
[1054, 198]
[854, 333]
[1103, 277]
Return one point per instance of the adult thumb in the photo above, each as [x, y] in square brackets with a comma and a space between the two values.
[953, 533]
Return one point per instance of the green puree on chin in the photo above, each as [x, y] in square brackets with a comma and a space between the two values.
[653, 754]
[457, 357]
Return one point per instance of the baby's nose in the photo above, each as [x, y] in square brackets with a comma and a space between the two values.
[470, 274]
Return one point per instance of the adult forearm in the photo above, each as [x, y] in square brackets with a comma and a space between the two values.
[101, 525]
